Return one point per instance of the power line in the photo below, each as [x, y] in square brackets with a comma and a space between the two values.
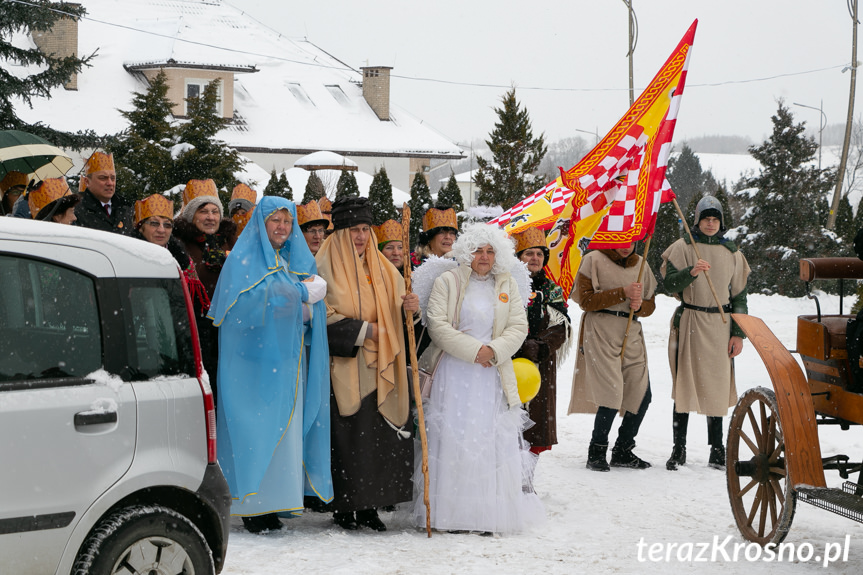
[404, 77]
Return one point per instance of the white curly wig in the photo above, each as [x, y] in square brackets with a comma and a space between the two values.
[475, 236]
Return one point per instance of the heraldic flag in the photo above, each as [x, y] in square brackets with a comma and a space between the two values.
[618, 187]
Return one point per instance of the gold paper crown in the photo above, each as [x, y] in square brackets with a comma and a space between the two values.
[389, 231]
[244, 192]
[197, 188]
[97, 162]
[529, 238]
[48, 190]
[155, 205]
[326, 209]
[242, 220]
[309, 213]
[435, 218]
[13, 179]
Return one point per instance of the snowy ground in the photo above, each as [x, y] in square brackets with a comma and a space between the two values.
[595, 520]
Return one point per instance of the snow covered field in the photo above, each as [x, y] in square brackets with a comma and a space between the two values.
[595, 520]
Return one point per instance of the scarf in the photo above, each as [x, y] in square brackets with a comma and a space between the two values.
[370, 289]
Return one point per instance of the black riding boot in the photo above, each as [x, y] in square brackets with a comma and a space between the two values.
[714, 438]
[678, 453]
[596, 457]
[622, 456]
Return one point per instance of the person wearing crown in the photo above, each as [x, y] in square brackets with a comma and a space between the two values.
[313, 224]
[51, 201]
[548, 337]
[440, 229]
[390, 234]
[243, 200]
[101, 207]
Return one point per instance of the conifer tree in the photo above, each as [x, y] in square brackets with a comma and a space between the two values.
[845, 228]
[209, 157]
[516, 155]
[381, 198]
[666, 232]
[143, 150]
[49, 72]
[314, 188]
[347, 185]
[451, 195]
[784, 220]
[686, 176]
[279, 186]
[727, 215]
[420, 201]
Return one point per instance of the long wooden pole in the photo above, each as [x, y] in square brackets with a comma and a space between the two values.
[412, 350]
[698, 255]
[632, 311]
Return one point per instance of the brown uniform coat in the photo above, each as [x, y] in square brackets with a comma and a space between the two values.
[600, 379]
[702, 372]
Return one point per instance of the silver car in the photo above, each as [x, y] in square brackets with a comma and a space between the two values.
[107, 423]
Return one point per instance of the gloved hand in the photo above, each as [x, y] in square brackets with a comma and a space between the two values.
[317, 288]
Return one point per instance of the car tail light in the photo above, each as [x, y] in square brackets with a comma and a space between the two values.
[204, 382]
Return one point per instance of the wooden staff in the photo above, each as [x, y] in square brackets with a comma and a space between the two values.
[409, 323]
[698, 255]
[632, 311]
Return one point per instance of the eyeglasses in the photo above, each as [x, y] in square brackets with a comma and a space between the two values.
[315, 231]
[155, 225]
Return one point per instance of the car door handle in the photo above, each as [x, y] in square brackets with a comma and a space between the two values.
[95, 418]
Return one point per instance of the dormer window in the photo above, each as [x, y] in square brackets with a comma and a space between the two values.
[195, 89]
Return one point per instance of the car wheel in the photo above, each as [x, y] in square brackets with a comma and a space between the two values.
[145, 539]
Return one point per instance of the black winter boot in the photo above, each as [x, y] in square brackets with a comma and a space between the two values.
[624, 457]
[596, 457]
[369, 518]
[678, 457]
[717, 457]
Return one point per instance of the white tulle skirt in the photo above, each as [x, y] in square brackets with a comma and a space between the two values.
[480, 467]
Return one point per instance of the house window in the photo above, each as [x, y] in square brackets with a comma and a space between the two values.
[195, 89]
[300, 94]
[339, 95]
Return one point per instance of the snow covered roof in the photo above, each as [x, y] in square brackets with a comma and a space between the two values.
[323, 159]
[290, 95]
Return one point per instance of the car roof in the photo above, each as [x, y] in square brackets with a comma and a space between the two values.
[130, 257]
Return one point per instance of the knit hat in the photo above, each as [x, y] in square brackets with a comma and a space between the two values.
[97, 162]
[709, 207]
[310, 214]
[389, 231]
[242, 197]
[155, 205]
[198, 193]
[436, 220]
[51, 196]
[350, 211]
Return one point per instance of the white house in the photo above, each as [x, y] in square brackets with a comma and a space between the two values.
[286, 97]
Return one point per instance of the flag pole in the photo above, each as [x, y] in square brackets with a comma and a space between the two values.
[632, 311]
[412, 350]
[698, 255]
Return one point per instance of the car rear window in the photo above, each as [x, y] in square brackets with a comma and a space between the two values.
[158, 329]
[49, 321]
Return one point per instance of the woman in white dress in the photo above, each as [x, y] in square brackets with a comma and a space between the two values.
[478, 461]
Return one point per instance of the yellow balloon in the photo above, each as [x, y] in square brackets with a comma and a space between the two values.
[527, 376]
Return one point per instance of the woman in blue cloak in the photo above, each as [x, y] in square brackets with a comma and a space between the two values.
[273, 417]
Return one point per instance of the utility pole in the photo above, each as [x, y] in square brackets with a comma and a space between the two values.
[633, 40]
[840, 176]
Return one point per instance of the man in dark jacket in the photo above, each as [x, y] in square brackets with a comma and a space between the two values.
[101, 208]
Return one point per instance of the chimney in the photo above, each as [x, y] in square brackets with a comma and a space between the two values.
[376, 89]
[60, 41]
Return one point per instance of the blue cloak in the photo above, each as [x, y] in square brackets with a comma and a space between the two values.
[273, 417]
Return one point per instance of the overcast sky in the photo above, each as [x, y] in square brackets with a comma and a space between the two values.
[575, 51]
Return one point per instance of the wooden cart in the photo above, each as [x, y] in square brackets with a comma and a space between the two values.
[774, 454]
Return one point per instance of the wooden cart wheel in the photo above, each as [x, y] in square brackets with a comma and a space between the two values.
[759, 489]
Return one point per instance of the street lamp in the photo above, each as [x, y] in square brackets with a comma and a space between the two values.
[594, 134]
[823, 124]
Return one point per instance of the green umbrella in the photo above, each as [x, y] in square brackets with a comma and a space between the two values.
[31, 155]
